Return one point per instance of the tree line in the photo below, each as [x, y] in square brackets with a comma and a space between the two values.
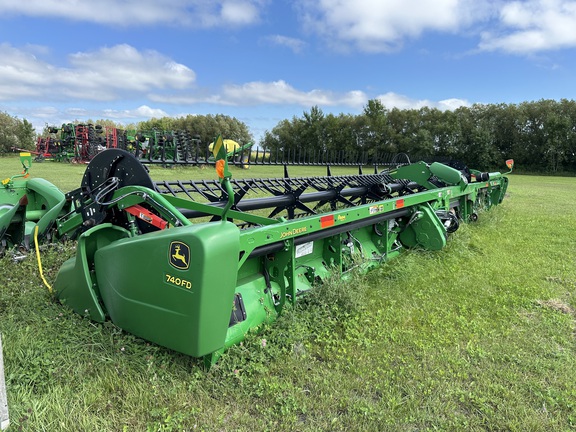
[18, 133]
[540, 136]
[203, 127]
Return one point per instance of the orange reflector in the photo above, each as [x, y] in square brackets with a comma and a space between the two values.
[220, 168]
[399, 203]
[327, 221]
[510, 163]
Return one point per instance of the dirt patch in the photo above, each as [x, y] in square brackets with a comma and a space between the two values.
[557, 305]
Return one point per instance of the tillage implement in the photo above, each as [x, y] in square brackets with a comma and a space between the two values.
[195, 265]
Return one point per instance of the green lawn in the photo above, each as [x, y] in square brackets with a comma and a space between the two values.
[479, 336]
[69, 176]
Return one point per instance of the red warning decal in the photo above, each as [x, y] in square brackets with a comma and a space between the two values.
[327, 221]
[399, 203]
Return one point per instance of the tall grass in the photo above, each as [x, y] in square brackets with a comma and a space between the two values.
[478, 336]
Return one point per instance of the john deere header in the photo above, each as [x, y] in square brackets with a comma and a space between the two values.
[194, 265]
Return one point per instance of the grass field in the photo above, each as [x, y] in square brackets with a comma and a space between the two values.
[69, 176]
[479, 336]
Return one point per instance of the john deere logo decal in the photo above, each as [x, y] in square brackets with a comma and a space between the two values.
[179, 255]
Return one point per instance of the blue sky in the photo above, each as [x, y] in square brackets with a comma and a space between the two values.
[263, 61]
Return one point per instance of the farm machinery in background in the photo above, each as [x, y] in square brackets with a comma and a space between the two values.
[195, 265]
[73, 143]
[81, 142]
[170, 148]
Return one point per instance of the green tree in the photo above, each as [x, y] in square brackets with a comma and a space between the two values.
[15, 133]
[161, 124]
[313, 132]
[568, 108]
[343, 132]
[377, 134]
[207, 127]
[540, 136]
[532, 142]
[284, 137]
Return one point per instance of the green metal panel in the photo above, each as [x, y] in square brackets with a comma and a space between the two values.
[75, 283]
[421, 173]
[47, 199]
[447, 174]
[424, 229]
[25, 204]
[418, 172]
[258, 303]
[12, 212]
[12, 222]
[174, 287]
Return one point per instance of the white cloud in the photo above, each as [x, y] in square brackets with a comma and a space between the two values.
[143, 111]
[127, 13]
[46, 112]
[294, 44]
[20, 73]
[55, 116]
[380, 26]
[239, 12]
[281, 92]
[521, 26]
[106, 74]
[393, 100]
[274, 93]
[451, 104]
[533, 26]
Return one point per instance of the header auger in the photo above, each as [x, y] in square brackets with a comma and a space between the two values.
[194, 265]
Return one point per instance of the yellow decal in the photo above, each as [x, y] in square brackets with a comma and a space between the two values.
[292, 232]
[341, 218]
[179, 255]
[178, 281]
